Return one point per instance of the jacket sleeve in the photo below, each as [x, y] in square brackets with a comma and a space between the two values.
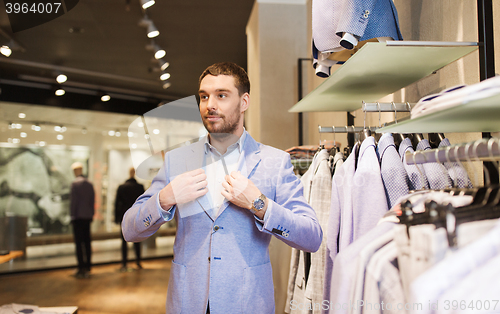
[146, 216]
[289, 217]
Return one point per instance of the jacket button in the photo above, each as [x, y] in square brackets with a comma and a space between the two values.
[209, 258]
[216, 228]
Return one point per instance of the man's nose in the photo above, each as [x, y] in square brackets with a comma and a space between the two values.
[211, 103]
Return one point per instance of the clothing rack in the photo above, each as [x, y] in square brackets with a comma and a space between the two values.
[387, 107]
[344, 129]
[478, 150]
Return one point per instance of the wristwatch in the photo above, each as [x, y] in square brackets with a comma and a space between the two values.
[258, 203]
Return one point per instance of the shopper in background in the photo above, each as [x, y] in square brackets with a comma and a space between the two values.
[229, 194]
[126, 195]
[82, 213]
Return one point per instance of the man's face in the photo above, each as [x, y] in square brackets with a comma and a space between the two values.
[220, 104]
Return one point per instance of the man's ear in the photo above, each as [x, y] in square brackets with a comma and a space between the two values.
[245, 102]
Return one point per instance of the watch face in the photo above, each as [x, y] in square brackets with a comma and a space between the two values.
[258, 204]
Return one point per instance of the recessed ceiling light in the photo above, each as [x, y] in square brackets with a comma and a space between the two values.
[60, 92]
[21, 115]
[105, 97]
[61, 78]
[60, 137]
[5, 50]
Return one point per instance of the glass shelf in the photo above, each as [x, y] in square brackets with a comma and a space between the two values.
[379, 69]
[482, 115]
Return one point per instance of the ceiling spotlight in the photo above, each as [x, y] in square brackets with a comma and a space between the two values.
[105, 97]
[163, 65]
[118, 134]
[152, 31]
[21, 115]
[61, 78]
[57, 128]
[60, 137]
[159, 53]
[24, 134]
[147, 3]
[36, 127]
[60, 92]
[166, 84]
[165, 76]
[111, 133]
[41, 143]
[5, 50]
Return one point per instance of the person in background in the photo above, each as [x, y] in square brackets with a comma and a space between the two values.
[126, 195]
[82, 201]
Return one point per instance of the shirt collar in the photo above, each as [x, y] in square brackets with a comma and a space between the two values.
[238, 144]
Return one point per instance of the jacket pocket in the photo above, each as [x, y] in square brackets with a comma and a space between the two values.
[175, 290]
[258, 291]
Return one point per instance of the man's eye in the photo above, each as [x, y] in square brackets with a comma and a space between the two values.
[204, 97]
[222, 96]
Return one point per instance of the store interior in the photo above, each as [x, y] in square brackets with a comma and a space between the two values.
[104, 49]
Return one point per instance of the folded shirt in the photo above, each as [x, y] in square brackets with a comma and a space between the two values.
[455, 96]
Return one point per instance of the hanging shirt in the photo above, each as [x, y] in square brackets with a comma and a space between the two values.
[369, 202]
[436, 173]
[431, 285]
[456, 171]
[345, 267]
[393, 173]
[317, 182]
[383, 290]
[416, 175]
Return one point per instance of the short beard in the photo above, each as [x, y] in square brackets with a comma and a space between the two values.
[227, 128]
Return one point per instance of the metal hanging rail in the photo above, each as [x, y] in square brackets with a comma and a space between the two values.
[343, 129]
[387, 107]
[484, 149]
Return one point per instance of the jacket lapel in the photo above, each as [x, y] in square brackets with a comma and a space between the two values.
[195, 161]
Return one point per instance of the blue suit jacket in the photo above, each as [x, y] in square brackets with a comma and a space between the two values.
[224, 258]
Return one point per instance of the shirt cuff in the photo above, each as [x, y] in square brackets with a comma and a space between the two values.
[165, 214]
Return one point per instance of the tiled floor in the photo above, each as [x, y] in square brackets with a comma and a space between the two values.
[62, 255]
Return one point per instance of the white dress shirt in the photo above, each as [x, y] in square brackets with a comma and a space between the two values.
[218, 166]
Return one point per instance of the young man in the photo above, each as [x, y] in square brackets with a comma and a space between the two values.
[229, 195]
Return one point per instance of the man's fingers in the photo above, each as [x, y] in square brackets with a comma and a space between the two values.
[227, 187]
[200, 185]
[196, 172]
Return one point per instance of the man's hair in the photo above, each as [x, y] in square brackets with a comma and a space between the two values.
[228, 68]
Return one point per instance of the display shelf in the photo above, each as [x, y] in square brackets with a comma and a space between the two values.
[481, 115]
[379, 69]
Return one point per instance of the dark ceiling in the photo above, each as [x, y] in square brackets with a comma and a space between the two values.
[100, 46]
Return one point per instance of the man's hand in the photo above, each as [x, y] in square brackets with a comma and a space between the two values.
[184, 188]
[240, 191]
